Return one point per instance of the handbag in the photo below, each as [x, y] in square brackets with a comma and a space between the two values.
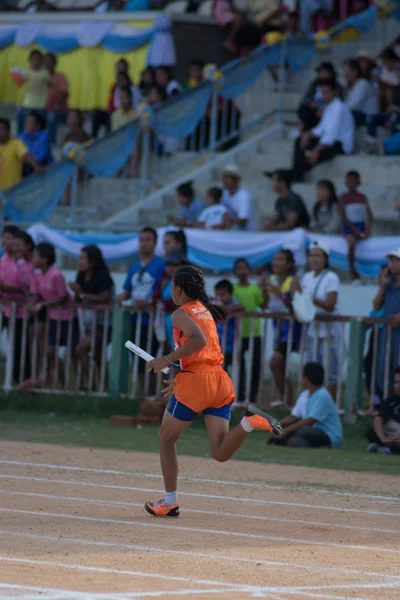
[303, 303]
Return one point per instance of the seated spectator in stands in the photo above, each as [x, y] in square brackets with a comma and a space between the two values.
[216, 215]
[290, 211]
[156, 95]
[367, 64]
[237, 200]
[49, 290]
[279, 290]
[388, 147]
[384, 437]
[93, 285]
[175, 239]
[388, 78]
[141, 282]
[312, 104]
[308, 8]
[13, 286]
[162, 297]
[39, 6]
[326, 216]
[389, 119]
[190, 207]
[195, 73]
[357, 218]
[36, 81]
[125, 114]
[323, 287]
[147, 81]
[37, 141]
[388, 298]
[57, 96]
[76, 132]
[226, 331]
[333, 135]
[361, 96]
[314, 421]
[13, 154]
[164, 79]
[252, 297]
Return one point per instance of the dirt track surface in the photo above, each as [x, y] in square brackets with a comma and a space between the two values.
[73, 527]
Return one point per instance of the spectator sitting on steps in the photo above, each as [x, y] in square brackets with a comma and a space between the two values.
[326, 218]
[361, 96]
[290, 211]
[314, 421]
[13, 153]
[237, 200]
[37, 141]
[384, 437]
[190, 208]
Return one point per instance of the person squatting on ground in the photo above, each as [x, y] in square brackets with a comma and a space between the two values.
[200, 386]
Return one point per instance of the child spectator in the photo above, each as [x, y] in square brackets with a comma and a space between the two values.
[190, 208]
[13, 153]
[57, 96]
[226, 331]
[49, 290]
[388, 78]
[216, 215]
[36, 80]
[195, 73]
[147, 81]
[385, 435]
[326, 218]
[175, 239]
[356, 217]
[162, 297]
[125, 114]
[76, 132]
[37, 141]
[164, 79]
[279, 290]
[252, 297]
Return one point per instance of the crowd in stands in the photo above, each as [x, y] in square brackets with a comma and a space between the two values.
[28, 274]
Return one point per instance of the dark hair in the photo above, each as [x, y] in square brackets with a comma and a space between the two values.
[12, 229]
[126, 75]
[127, 91]
[224, 284]
[331, 84]
[79, 115]
[40, 120]
[26, 238]
[197, 62]
[215, 193]
[389, 54]
[353, 174]
[332, 197]
[314, 372]
[288, 254]
[186, 190]
[150, 230]
[293, 14]
[35, 53]
[180, 238]
[396, 371]
[354, 65]
[190, 279]
[6, 123]
[52, 56]
[167, 70]
[95, 256]
[123, 60]
[239, 260]
[283, 175]
[47, 251]
[161, 91]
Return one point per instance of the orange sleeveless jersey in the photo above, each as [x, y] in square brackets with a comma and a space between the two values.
[202, 383]
[209, 355]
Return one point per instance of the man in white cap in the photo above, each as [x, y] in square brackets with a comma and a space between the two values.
[237, 200]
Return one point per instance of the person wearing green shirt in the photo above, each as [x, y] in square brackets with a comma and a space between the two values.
[252, 297]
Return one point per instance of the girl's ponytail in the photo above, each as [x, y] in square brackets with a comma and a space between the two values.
[190, 279]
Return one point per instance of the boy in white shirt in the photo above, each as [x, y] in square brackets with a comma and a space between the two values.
[216, 215]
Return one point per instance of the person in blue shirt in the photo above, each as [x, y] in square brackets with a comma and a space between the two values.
[190, 207]
[314, 421]
[37, 141]
[143, 277]
[226, 331]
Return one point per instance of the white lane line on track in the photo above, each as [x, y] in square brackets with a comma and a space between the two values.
[59, 593]
[203, 480]
[173, 527]
[204, 512]
[192, 494]
[218, 557]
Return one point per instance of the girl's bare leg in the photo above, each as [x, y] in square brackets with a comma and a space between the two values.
[171, 430]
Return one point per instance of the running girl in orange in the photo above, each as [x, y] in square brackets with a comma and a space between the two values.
[200, 386]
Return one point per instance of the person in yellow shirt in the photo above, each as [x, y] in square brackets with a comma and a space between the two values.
[36, 80]
[124, 115]
[13, 153]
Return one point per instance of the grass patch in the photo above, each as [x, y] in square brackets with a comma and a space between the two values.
[83, 421]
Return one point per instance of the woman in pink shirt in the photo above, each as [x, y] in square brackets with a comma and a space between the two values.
[14, 287]
[49, 290]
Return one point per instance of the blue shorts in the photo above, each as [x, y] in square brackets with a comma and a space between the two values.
[184, 413]
[359, 226]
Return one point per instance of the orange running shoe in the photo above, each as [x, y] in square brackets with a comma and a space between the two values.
[259, 419]
[160, 509]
